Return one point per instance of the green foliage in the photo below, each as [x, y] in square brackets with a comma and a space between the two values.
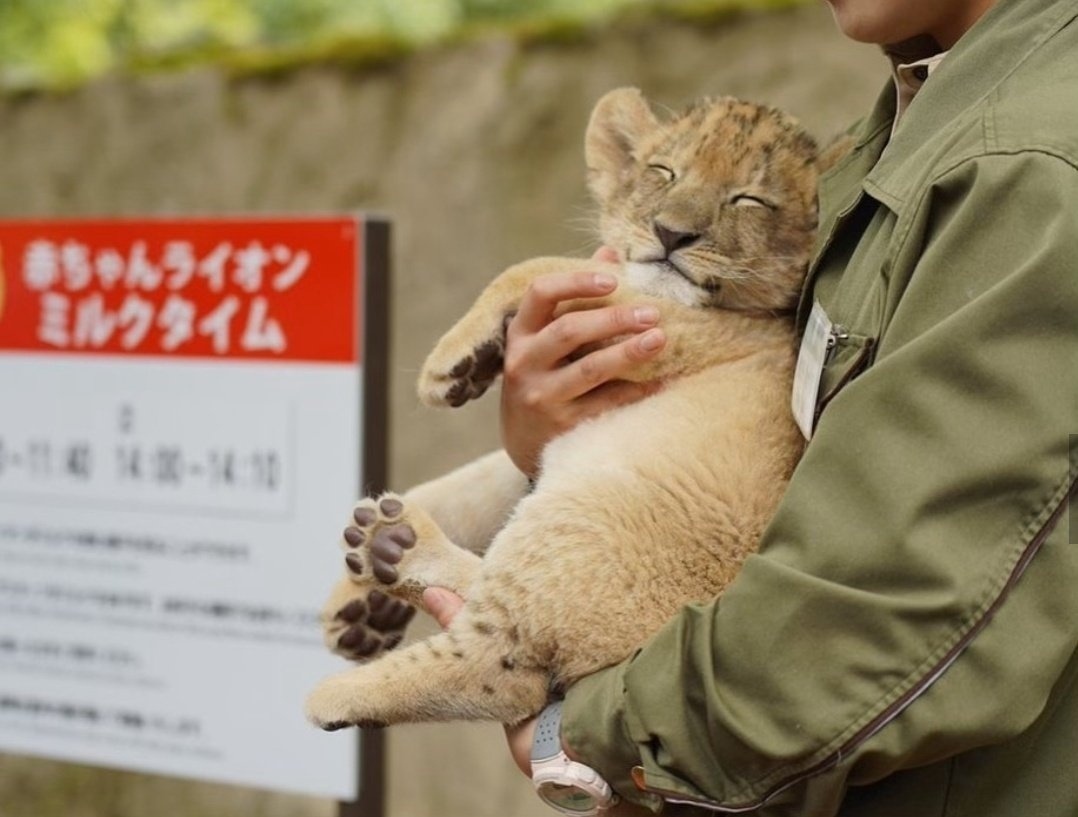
[62, 43]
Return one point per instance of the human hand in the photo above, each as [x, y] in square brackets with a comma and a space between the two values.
[544, 392]
[442, 605]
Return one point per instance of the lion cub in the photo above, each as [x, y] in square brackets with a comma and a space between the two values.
[636, 513]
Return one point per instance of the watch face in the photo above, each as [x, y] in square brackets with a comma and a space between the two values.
[568, 799]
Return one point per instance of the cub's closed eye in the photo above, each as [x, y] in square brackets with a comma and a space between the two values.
[665, 171]
[745, 200]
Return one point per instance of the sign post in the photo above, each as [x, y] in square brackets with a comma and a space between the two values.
[188, 408]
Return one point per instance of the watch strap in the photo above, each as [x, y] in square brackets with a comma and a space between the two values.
[547, 741]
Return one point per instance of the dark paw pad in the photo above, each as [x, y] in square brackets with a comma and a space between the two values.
[387, 549]
[355, 610]
[475, 373]
[388, 613]
[374, 626]
[359, 641]
[392, 508]
[335, 726]
[354, 564]
[364, 516]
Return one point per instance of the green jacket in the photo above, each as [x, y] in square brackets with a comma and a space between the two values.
[904, 644]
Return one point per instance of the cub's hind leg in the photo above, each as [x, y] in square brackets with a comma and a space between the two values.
[470, 672]
[477, 669]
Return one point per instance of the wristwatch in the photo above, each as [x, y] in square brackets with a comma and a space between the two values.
[564, 784]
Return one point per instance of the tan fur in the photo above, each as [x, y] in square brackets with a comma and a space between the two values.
[648, 507]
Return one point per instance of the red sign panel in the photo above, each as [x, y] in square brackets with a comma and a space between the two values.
[223, 288]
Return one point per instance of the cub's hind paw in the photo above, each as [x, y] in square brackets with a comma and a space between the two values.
[330, 705]
[454, 376]
[365, 627]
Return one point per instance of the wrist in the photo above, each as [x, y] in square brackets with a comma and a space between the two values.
[561, 781]
[522, 450]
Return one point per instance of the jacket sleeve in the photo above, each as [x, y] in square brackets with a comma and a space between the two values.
[914, 596]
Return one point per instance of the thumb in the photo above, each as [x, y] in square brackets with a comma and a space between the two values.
[442, 604]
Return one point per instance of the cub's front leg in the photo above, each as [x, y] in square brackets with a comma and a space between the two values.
[469, 357]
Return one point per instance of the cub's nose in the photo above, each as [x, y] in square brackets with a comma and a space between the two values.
[673, 239]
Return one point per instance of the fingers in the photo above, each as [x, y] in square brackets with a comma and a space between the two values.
[443, 605]
[551, 381]
[607, 254]
[545, 293]
[568, 333]
[607, 367]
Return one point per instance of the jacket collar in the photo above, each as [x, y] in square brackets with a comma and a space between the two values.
[989, 52]
[840, 187]
[912, 50]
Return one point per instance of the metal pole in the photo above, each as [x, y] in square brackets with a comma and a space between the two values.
[374, 307]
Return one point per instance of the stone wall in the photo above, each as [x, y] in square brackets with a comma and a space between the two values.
[475, 153]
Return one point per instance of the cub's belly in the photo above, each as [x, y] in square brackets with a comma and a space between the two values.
[641, 511]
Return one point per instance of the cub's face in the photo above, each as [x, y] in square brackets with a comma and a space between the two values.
[715, 207]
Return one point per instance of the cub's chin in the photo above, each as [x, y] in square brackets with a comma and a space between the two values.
[661, 279]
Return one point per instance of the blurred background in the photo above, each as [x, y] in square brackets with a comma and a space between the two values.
[461, 121]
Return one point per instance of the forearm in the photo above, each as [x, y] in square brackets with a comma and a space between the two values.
[715, 710]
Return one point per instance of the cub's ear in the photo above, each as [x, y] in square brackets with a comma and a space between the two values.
[618, 122]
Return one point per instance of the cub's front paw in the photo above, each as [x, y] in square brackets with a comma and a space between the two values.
[375, 544]
[459, 370]
[397, 548]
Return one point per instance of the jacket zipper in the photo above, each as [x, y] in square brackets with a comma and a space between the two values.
[857, 365]
[872, 728]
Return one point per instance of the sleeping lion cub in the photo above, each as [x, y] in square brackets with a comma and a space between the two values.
[638, 512]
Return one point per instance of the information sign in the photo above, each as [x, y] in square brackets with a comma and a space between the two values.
[182, 411]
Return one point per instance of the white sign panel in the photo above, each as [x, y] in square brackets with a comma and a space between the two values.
[168, 512]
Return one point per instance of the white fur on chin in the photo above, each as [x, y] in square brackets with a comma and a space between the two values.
[660, 281]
